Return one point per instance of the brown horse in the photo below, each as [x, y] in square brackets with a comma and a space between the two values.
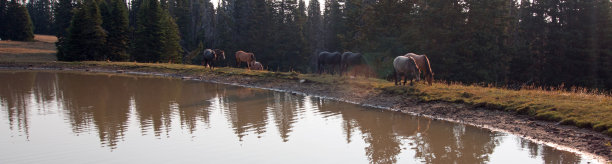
[256, 66]
[246, 57]
[424, 67]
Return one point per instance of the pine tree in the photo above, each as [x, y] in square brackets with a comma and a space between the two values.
[171, 51]
[148, 35]
[62, 15]
[440, 35]
[116, 23]
[260, 36]
[332, 18]
[223, 30]
[352, 21]
[313, 31]
[156, 37]
[181, 11]
[86, 37]
[40, 12]
[3, 19]
[604, 42]
[488, 31]
[19, 24]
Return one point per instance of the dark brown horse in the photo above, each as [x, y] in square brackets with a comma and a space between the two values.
[350, 59]
[211, 56]
[330, 60]
[246, 57]
[424, 66]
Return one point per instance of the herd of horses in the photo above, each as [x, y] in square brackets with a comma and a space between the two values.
[212, 56]
[409, 66]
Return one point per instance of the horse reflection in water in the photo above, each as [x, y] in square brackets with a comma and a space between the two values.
[249, 109]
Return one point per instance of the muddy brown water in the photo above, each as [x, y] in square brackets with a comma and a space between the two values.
[70, 117]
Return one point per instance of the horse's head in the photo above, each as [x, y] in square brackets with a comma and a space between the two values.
[252, 56]
[220, 53]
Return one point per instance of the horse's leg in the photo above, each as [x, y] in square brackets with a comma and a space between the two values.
[411, 82]
[405, 78]
[396, 75]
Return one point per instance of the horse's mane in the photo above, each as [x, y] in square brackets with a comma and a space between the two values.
[428, 66]
[414, 62]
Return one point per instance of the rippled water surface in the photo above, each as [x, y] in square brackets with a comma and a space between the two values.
[62, 117]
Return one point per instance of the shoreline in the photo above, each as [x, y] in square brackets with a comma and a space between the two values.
[564, 137]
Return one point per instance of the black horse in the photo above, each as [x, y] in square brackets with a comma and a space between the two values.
[350, 59]
[211, 56]
[328, 59]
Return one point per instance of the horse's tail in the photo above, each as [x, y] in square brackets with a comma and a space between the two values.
[430, 73]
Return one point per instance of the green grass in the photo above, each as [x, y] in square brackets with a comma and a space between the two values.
[578, 108]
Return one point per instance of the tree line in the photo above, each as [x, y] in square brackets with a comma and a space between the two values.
[540, 42]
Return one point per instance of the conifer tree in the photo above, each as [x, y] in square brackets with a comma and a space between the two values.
[40, 12]
[116, 23]
[19, 24]
[3, 19]
[171, 51]
[86, 37]
[62, 12]
[488, 31]
[149, 33]
[156, 38]
[332, 18]
[313, 31]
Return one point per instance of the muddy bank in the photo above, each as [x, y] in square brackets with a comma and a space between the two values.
[551, 133]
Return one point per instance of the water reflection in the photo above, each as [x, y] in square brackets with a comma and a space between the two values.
[109, 105]
[550, 155]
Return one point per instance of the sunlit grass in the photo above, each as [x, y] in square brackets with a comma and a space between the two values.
[582, 109]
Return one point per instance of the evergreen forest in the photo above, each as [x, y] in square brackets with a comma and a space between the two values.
[501, 42]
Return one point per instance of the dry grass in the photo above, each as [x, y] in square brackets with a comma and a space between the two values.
[42, 49]
[45, 38]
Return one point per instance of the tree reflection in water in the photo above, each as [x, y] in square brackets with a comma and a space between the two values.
[108, 103]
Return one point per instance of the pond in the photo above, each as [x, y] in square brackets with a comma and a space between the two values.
[71, 117]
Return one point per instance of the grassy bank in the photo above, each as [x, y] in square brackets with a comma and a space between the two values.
[579, 108]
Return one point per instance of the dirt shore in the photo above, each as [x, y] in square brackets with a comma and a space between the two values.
[565, 137]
